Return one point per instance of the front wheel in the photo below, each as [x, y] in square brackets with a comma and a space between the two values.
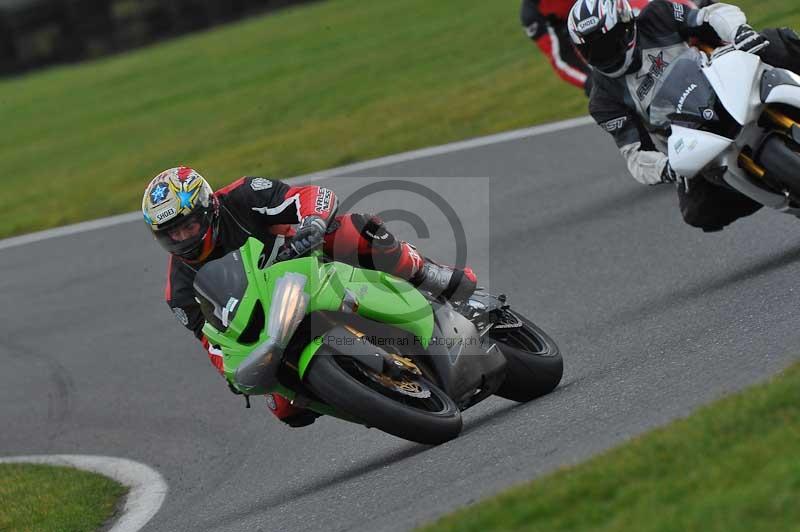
[534, 364]
[780, 157]
[411, 407]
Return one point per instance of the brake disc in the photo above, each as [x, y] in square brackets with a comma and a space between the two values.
[402, 385]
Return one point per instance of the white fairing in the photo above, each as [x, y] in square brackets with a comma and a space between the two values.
[785, 94]
[735, 78]
[691, 150]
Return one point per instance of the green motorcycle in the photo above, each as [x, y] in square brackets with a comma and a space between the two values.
[365, 346]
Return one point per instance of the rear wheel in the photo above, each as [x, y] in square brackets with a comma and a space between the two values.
[534, 364]
[410, 407]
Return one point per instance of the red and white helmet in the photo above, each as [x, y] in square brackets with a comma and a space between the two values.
[604, 33]
[181, 210]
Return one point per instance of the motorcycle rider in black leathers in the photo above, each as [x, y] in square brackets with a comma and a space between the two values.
[631, 56]
[196, 225]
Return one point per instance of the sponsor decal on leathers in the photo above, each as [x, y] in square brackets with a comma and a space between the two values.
[259, 183]
[678, 12]
[657, 67]
[615, 124]
[323, 201]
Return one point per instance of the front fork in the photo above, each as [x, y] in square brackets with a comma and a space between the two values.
[779, 122]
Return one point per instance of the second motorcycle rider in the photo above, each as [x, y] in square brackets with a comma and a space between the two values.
[631, 56]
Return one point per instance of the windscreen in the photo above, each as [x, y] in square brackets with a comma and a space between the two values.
[219, 287]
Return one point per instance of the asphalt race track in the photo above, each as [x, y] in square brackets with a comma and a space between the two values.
[653, 318]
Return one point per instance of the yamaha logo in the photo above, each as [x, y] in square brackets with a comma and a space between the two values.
[685, 95]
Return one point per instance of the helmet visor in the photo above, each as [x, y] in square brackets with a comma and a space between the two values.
[185, 236]
[606, 51]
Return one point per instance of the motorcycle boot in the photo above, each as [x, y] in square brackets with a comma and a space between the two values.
[290, 414]
[451, 283]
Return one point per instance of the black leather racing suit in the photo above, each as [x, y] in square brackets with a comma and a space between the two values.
[621, 106]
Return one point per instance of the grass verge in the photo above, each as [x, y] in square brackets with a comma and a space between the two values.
[303, 89]
[44, 498]
[731, 466]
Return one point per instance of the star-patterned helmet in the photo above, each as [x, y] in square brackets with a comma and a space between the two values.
[181, 210]
[604, 33]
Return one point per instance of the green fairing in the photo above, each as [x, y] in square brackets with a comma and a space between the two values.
[307, 354]
[381, 297]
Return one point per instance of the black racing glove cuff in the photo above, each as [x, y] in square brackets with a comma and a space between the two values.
[749, 40]
[309, 235]
[668, 175]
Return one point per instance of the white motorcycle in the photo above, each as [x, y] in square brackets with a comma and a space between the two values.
[735, 121]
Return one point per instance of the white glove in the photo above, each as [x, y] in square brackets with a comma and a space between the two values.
[646, 167]
[725, 19]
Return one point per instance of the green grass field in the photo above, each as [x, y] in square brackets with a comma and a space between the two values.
[304, 89]
[732, 466]
[41, 498]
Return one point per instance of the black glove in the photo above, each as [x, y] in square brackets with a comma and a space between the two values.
[309, 235]
[668, 175]
[749, 40]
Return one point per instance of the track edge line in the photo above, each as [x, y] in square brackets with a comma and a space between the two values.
[422, 153]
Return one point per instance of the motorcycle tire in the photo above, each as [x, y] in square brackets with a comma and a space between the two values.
[780, 156]
[534, 364]
[339, 382]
